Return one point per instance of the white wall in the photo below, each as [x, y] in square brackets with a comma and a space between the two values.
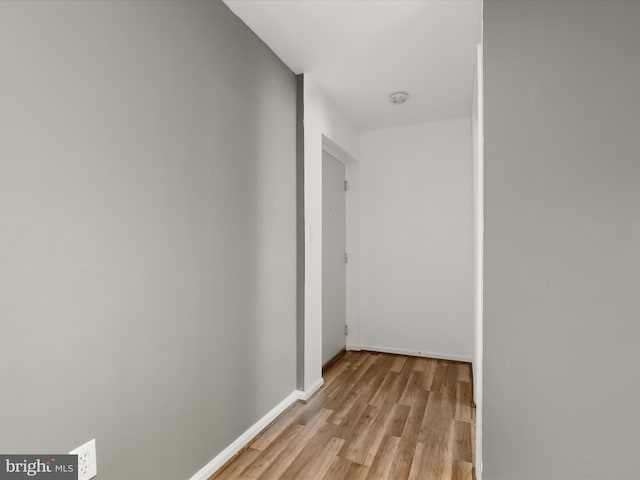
[324, 127]
[416, 266]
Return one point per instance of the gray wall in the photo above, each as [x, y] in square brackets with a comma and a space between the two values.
[147, 233]
[562, 239]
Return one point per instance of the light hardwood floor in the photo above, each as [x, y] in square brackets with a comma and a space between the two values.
[378, 416]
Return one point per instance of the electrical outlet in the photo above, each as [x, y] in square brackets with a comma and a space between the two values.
[87, 466]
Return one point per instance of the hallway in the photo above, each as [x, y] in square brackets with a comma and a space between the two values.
[379, 416]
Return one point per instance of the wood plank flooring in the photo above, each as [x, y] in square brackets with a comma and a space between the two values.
[378, 416]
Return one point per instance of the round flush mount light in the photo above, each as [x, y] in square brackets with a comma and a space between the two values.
[398, 97]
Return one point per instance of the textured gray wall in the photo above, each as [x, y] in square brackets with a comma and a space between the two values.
[147, 233]
[562, 239]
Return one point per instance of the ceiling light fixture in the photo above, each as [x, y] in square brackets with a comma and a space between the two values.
[398, 97]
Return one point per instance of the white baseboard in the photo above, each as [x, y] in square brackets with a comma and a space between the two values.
[354, 347]
[306, 395]
[413, 353]
[225, 455]
[239, 443]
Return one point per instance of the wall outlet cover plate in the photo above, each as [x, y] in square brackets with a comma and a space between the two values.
[87, 465]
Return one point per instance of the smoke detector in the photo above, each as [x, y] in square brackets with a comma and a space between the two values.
[398, 97]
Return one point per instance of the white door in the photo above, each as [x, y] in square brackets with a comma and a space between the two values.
[333, 257]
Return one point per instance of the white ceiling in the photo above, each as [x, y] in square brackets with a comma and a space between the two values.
[360, 51]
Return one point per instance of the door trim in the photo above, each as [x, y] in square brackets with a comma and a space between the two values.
[333, 335]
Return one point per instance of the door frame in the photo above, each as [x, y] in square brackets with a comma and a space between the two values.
[478, 246]
[352, 240]
[344, 164]
[313, 254]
